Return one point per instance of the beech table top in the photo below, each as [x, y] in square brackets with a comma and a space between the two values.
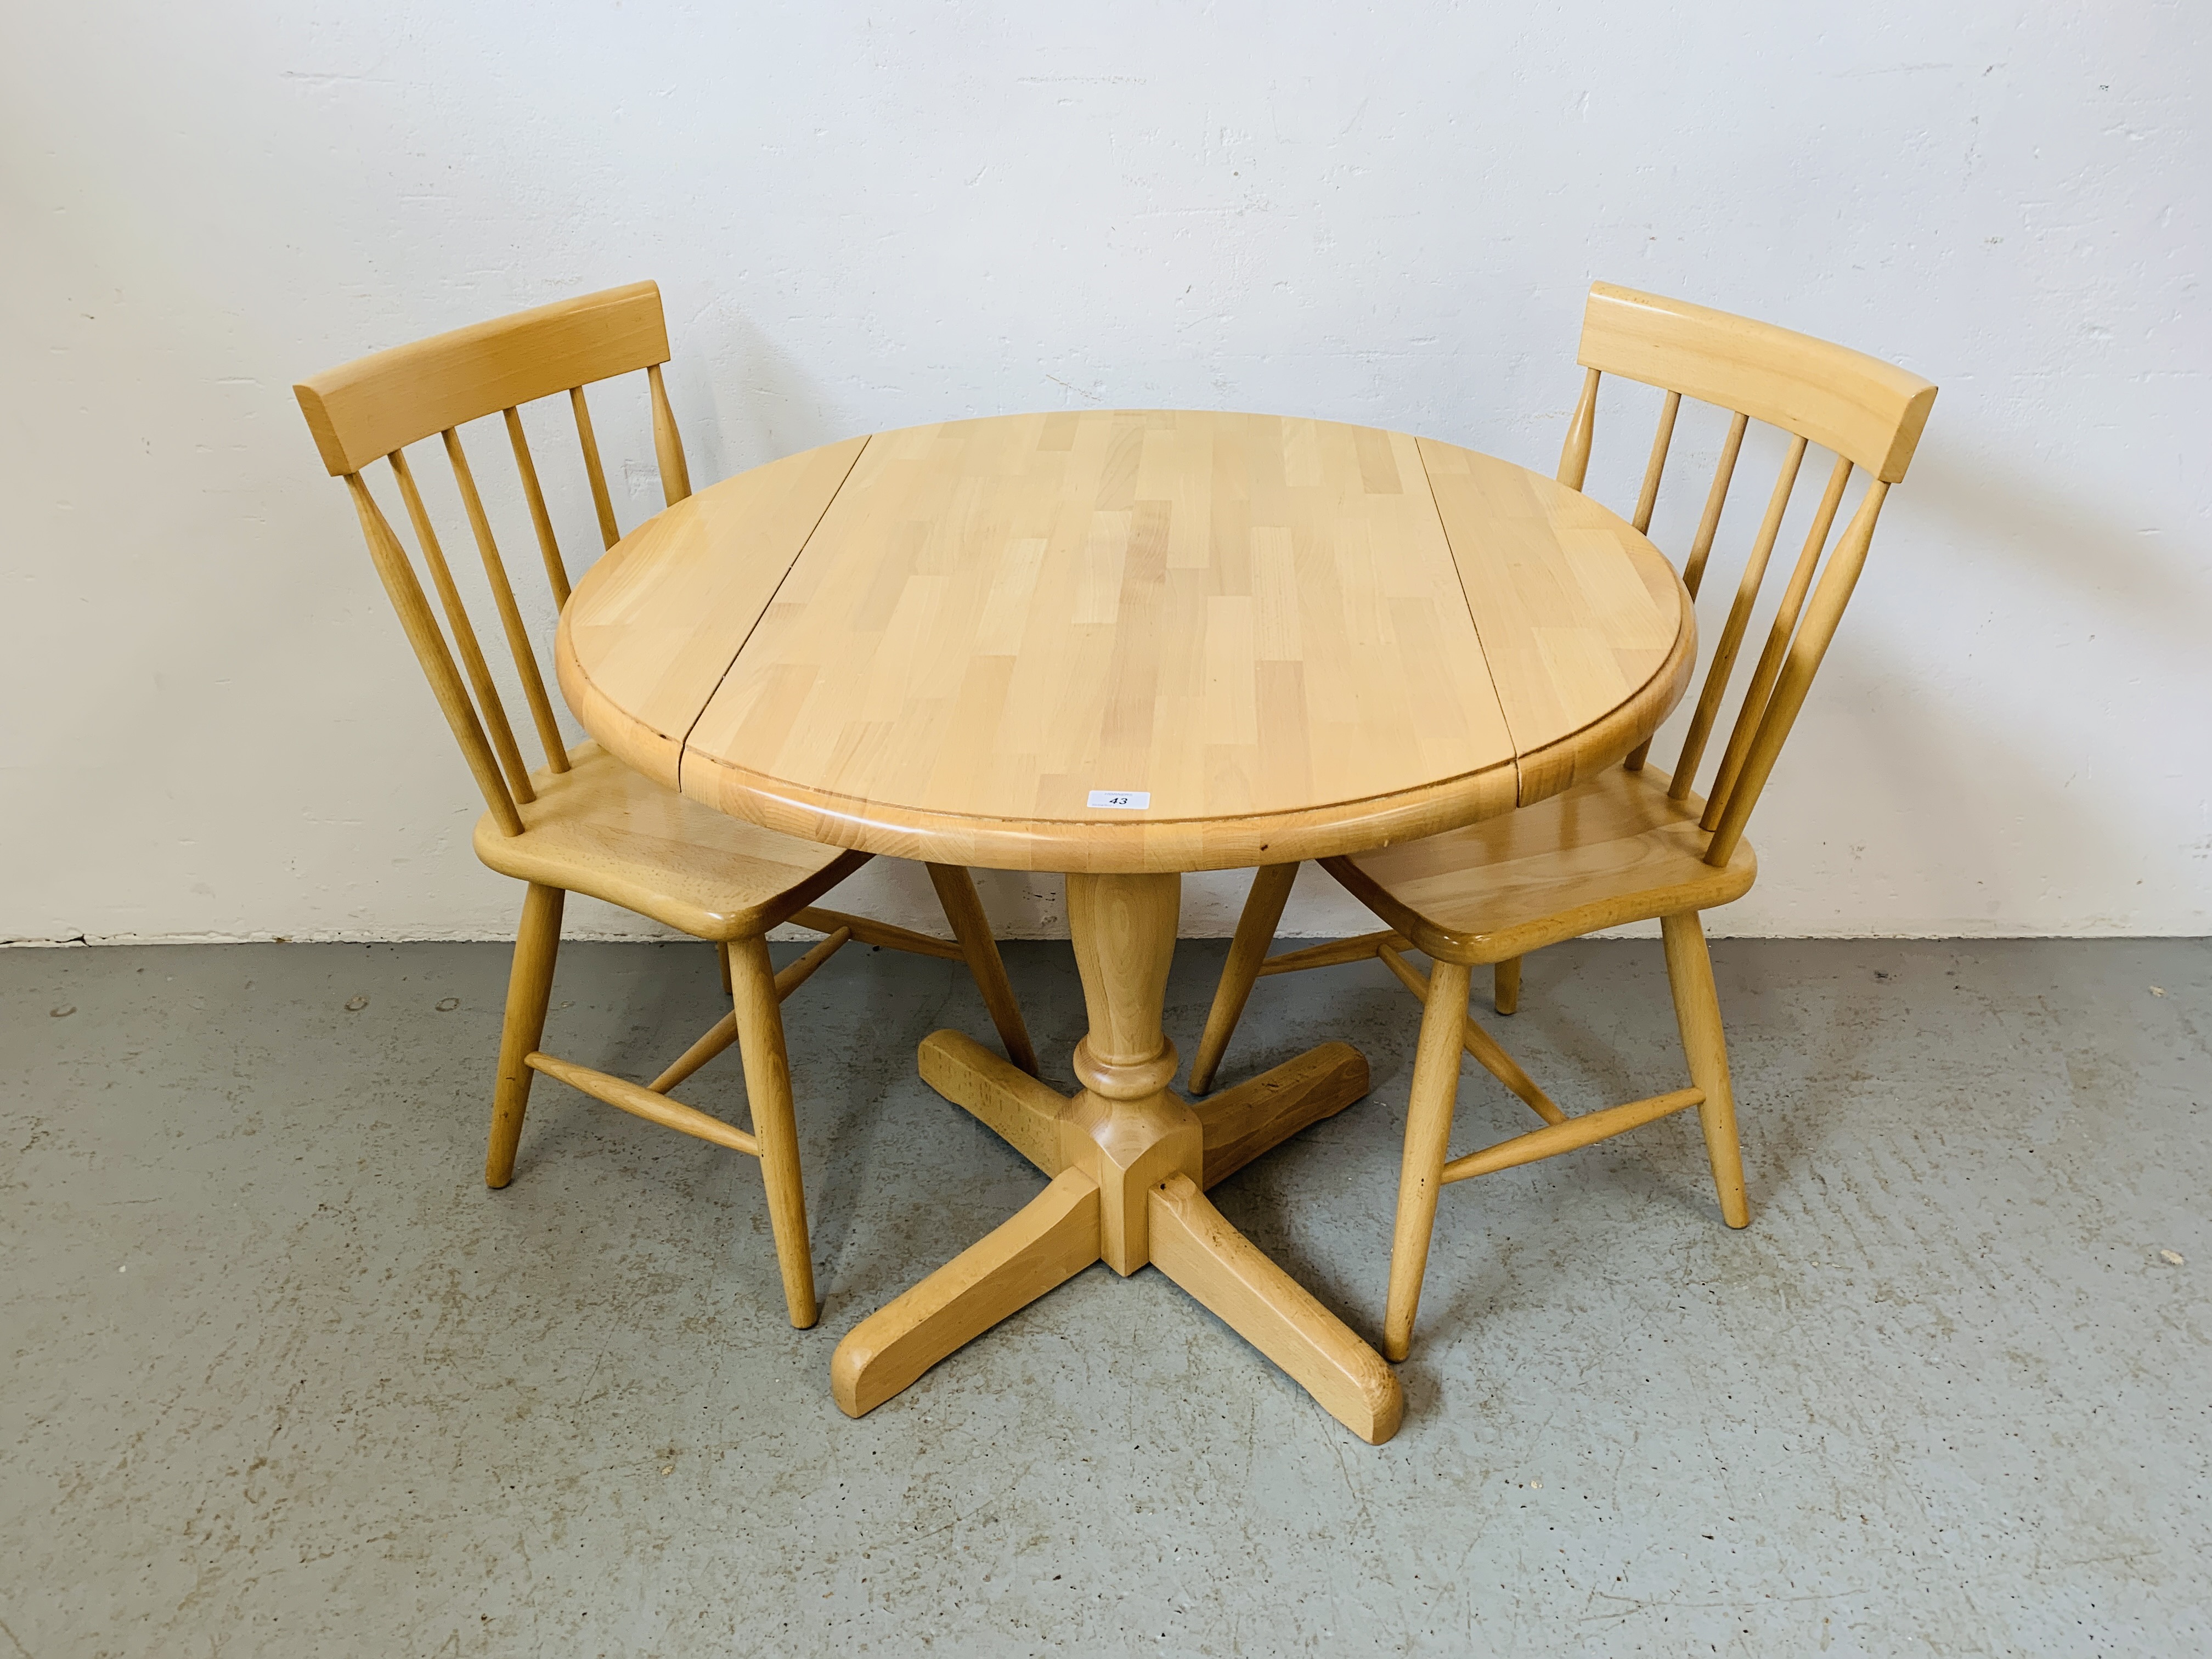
[1127, 641]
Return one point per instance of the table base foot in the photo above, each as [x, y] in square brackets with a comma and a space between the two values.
[1024, 1113]
[1124, 1190]
[1193, 1244]
[1261, 1112]
[1050, 1240]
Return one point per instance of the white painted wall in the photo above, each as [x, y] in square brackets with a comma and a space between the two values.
[867, 218]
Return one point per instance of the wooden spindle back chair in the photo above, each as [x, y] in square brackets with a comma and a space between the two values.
[1866, 413]
[584, 822]
[1631, 844]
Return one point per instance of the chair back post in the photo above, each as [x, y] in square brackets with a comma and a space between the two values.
[1582, 428]
[667, 444]
[1868, 414]
[377, 405]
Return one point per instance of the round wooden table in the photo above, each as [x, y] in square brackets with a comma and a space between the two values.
[1122, 645]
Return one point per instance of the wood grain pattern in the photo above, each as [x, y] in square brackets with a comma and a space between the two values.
[600, 829]
[1647, 496]
[1238, 615]
[1258, 622]
[1505, 986]
[1126, 1129]
[1433, 1094]
[1024, 1112]
[1267, 628]
[1582, 431]
[1479, 1043]
[724, 1033]
[510, 615]
[541, 521]
[522, 1027]
[768, 1093]
[1779, 631]
[1586, 628]
[493, 711]
[964, 908]
[1715, 690]
[1126, 1157]
[375, 405]
[1047, 1242]
[1194, 1245]
[1815, 635]
[1247, 953]
[644, 1102]
[667, 441]
[662, 616]
[1330, 954]
[1570, 1134]
[1851, 405]
[870, 932]
[405, 592]
[1617, 849]
[595, 471]
[1260, 1113]
[1698, 1013]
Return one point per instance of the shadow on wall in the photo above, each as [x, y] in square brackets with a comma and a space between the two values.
[762, 405]
[2005, 805]
[2032, 820]
[2074, 545]
[2147, 592]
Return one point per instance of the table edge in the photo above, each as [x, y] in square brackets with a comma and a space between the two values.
[1240, 842]
[1564, 761]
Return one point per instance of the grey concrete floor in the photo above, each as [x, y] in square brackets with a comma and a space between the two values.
[281, 1376]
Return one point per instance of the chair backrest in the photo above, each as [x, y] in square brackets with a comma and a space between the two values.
[1868, 414]
[377, 405]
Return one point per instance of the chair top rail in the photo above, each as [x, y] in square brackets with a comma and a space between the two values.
[1859, 407]
[380, 403]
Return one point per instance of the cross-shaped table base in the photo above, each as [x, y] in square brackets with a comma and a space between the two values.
[1129, 1161]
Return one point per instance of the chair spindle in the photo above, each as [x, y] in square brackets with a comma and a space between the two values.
[510, 615]
[1716, 498]
[609, 535]
[421, 630]
[1777, 642]
[1693, 572]
[667, 442]
[1731, 640]
[549, 547]
[1806, 651]
[1574, 457]
[494, 712]
[1647, 497]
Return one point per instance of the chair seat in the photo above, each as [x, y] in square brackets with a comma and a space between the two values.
[604, 829]
[1612, 850]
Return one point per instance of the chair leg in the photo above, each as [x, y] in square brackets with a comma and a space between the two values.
[1428, 1141]
[529, 985]
[722, 962]
[768, 1089]
[955, 891]
[1255, 931]
[1506, 985]
[1698, 1012]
